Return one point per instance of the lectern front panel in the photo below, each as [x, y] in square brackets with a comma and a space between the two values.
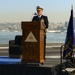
[32, 42]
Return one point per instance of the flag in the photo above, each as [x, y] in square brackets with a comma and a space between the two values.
[68, 48]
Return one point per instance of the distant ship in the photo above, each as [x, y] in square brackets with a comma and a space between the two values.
[54, 31]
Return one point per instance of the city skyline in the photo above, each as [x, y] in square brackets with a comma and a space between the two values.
[21, 10]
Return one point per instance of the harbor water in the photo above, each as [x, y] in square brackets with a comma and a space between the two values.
[50, 37]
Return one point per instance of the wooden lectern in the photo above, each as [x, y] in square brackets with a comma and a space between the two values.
[33, 42]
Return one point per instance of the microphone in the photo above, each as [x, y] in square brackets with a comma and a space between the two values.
[35, 13]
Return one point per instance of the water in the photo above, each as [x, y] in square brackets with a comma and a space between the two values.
[6, 36]
[51, 37]
[56, 37]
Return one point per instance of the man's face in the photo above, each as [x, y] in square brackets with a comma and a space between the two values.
[39, 12]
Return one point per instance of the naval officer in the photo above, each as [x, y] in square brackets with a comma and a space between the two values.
[40, 17]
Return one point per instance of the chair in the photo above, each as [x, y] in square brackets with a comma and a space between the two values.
[69, 68]
[15, 45]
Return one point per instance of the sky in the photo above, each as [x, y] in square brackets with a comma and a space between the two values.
[23, 10]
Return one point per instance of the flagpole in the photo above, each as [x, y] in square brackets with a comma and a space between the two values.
[72, 6]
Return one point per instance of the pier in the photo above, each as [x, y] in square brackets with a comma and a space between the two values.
[51, 65]
[52, 53]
